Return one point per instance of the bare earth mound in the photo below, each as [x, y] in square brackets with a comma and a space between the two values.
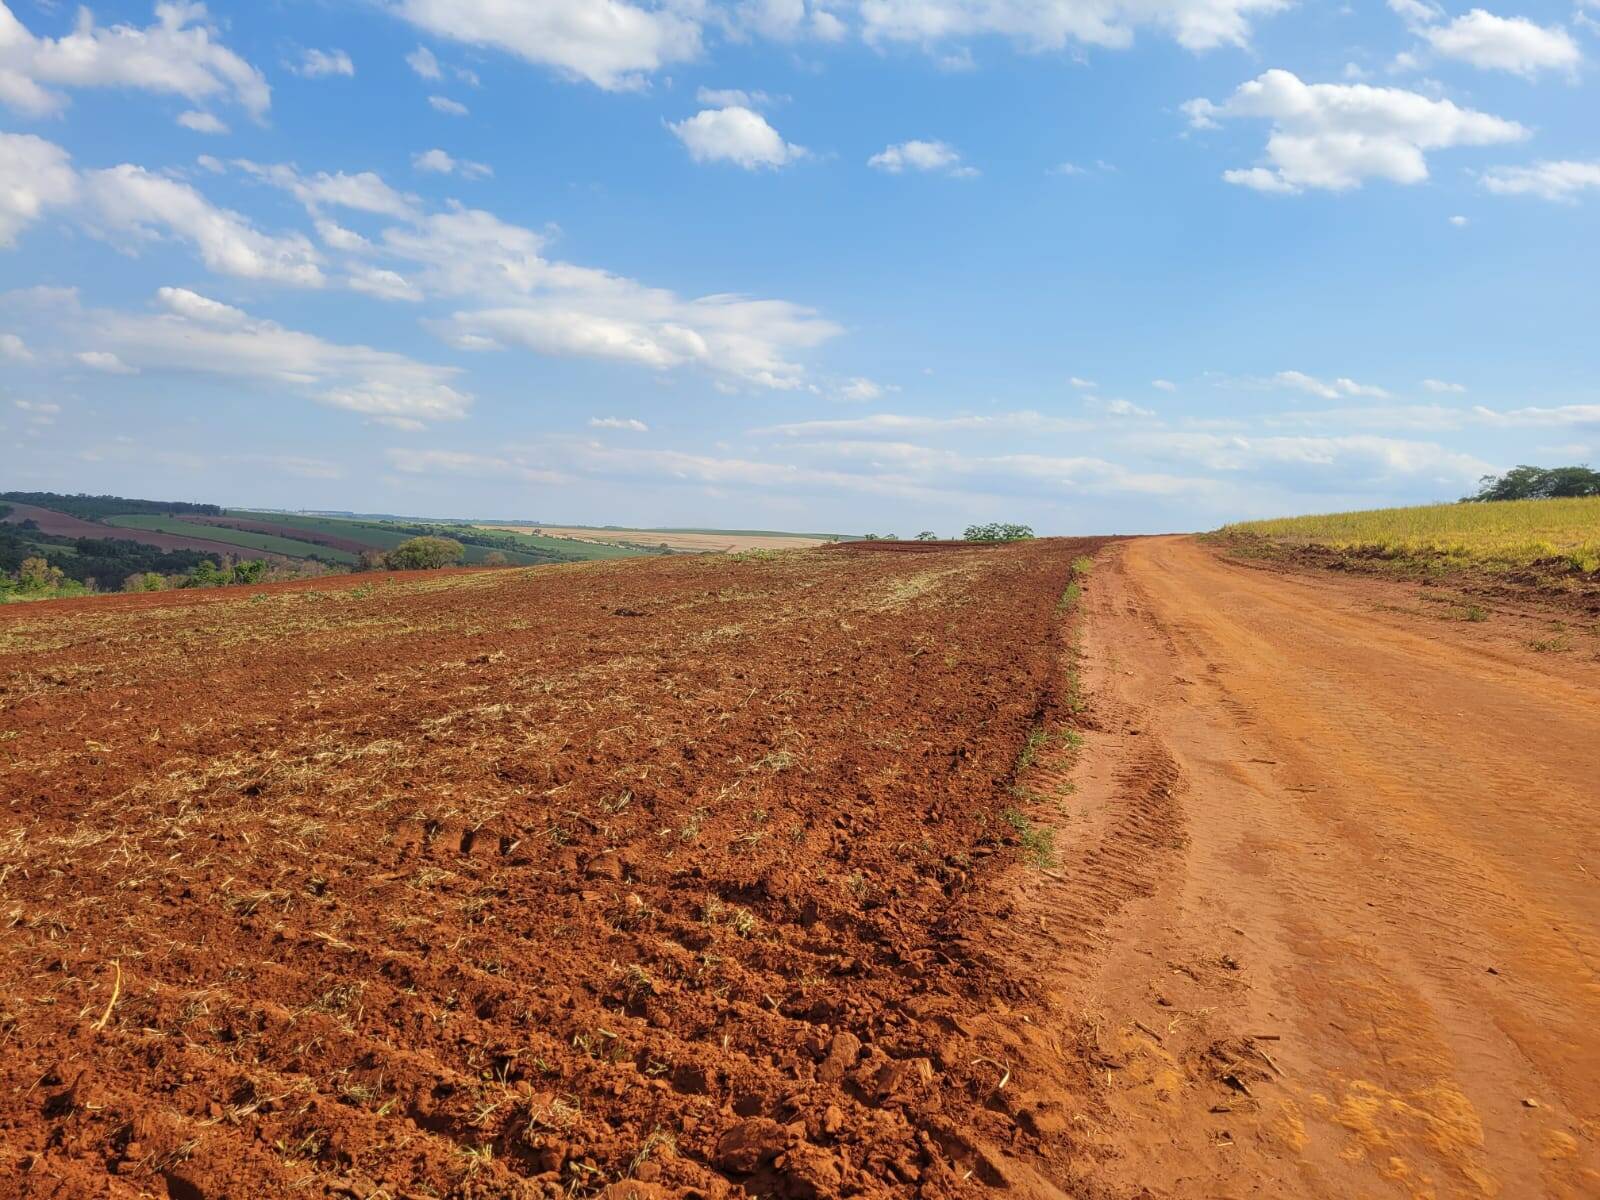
[524, 883]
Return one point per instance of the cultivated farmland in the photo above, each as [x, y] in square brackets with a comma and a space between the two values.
[527, 883]
[245, 540]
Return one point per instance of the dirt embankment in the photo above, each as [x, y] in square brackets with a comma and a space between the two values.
[678, 874]
[1543, 583]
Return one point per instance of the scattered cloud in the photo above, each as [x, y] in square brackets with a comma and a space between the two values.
[424, 62]
[1562, 181]
[1351, 458]
[201, 121]
[382, 283]
[130, 205]
[612, 44]
[39, 412]
[861, 390]
[627, 423]
[464, 462]
[787, 20]
[190, 332]
[449, 107]
[737, 135]
[1492, 43]
[1327, 390]
[14, 349]
[364, 191]
[527, 301]
[1116, 408]
[320, 64]
[905, 424]
[921, 156]
[439, 163]
[1336, 136]
[1163, 385]
[105, 362]
[731, 98]
[1083, 385]
[37, 175]
[1047, 26]
[1460, 222]
[1442, 386]
[178, 55]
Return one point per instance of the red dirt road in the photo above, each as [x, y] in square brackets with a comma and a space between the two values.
[1363, 960]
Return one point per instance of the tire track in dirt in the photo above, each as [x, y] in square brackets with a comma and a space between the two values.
[1368, 964]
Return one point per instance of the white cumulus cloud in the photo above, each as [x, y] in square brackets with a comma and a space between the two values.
[630, 424]
[202, 122]
[319, 64]
[1563, 181]
[1490, 42]
[130, 205]
[917, 155]
[1328, 390]
[34, 175]
[178, 55]
[194, 333]
[447, 106]
[609, 43]
[437, 162]
[737, 135]
[1335, 136]
[105, 362]
[1042, 25]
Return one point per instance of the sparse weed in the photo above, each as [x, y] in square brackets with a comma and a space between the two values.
[1037, 843]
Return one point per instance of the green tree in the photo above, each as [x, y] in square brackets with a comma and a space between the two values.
[207, 574]
[144, 581]
[927, 535]
[424, 554]
[997, 532]
[496, 558]
[249, 571]
[1538, 483]
[37, 575]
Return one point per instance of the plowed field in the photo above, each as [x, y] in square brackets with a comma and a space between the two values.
[657, 876]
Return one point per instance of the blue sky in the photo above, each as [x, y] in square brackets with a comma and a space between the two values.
[1096, 265]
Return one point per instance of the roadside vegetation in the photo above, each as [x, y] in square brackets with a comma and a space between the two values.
[1510, 535]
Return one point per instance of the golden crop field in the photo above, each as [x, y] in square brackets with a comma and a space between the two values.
[1500, 535]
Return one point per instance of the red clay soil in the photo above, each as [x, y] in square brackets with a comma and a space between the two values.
[659, 877]
[292, 532]
[62, 525]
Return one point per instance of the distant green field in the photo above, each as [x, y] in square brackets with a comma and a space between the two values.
[1498, 535]
[263, 542]
[566, 546]
[382, 535]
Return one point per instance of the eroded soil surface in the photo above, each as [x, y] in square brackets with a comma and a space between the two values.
[671, 875]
